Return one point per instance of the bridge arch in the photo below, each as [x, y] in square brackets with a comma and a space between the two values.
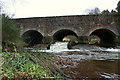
[106, 36]
[59, 35]
[32, 37]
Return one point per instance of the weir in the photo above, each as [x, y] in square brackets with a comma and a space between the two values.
[59, 46]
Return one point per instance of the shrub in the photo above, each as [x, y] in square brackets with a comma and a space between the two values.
[10, 33]
[22, 66]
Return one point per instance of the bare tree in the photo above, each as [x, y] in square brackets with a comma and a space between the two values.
[105, 12]
[93, 11]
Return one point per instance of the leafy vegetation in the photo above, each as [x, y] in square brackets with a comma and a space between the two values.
[10, 34]
[106, 12]
[9, 29]
[96, 11]
[21, 65]
[29, 65]
[0, 30]
[118, 8]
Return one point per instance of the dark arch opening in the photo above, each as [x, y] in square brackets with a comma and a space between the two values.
[106, 36]
[32, 37]
[59, 35]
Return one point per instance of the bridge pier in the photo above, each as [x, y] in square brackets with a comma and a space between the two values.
[83, 39]
[118, 40]
[47, 39]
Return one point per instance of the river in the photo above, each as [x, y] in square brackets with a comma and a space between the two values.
[86, 61]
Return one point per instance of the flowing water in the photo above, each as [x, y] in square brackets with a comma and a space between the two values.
[87, 61]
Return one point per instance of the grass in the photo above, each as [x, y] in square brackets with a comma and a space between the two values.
[28, 65]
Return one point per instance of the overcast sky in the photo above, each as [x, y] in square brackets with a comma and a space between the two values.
[41, 8]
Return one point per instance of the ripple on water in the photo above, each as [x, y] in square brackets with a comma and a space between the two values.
[87, 61]
[93, 69]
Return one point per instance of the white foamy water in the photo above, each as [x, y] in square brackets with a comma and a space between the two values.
[59, 46]
[97, 53]
[63, 47]
[59, 51]
[113, 50]
[112, 75]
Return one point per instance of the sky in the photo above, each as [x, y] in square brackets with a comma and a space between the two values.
[43, 8]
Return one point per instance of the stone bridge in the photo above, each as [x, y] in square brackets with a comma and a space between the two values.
[46, 29]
